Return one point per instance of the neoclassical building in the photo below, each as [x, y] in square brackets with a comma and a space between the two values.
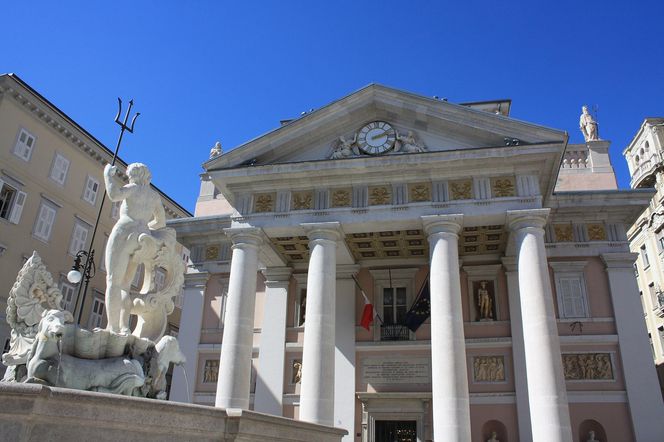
[645, 159]
[532, 326]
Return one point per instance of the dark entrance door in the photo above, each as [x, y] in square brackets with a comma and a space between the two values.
[396, 431]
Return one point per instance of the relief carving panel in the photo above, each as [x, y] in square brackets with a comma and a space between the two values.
[489, 368]
[587, 366]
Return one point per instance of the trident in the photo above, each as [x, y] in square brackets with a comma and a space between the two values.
[89, 266]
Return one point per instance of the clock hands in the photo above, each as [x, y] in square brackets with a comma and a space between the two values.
[380, 135]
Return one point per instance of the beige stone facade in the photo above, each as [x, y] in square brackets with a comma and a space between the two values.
[52, 187]
[645, 159]
[534, 329]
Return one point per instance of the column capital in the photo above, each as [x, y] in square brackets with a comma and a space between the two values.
[347, 271]
[330, 231]
[245, 236]
[277, 276]
[442, 223]
[619, 260]
[510, 264]
[521, 219]
[196, 279]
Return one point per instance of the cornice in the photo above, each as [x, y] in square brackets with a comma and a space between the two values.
[70, 131]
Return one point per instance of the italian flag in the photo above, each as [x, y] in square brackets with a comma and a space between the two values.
[367, 313]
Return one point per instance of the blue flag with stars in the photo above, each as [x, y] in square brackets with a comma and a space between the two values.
[420, 310]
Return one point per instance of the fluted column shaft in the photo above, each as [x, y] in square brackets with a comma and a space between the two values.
[547, 392]
[317, 392]
[234, 378]
[449, 380]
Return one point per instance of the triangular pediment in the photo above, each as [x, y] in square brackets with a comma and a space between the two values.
[418, 123]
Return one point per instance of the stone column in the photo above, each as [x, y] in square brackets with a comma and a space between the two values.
[182, 388]
[317, 390]
[449, 380]
[272, 354]
[643, 393]
[234, 379]
[547, 392]
[518, 352]
[344, 355]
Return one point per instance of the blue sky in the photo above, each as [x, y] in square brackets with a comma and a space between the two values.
[205, 71]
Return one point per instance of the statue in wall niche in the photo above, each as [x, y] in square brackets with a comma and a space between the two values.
[344, 148]
[493, 438]
[297, 372]
[591, 436]
[484, 302]
[140, 236]
[588, 125]
[216, 150]
[408, 143]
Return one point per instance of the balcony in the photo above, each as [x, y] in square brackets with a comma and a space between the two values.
[659, 308]
[394, 332]
[645, 170]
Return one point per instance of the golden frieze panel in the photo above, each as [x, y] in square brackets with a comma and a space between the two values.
[211, 253]
[341, 197]
[461, 190]
[264, 202]
[588, 366]
[503, 186]
[419, 192]
[596, 232]
[302, 200]
[563, 232]
[380, 195]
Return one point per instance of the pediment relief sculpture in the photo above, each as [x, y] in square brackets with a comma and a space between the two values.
[376, 138]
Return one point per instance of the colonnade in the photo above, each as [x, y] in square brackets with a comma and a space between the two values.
[546, 393]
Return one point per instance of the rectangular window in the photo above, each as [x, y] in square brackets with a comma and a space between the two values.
[159, 278]
[644, 257]
[59, 169]
[45, 221]
[24, 145]
[394, 305]
[572, 297]
[68, 292]
[12, 201]
[79, 237]
[137, 282]
[660, 332]
[115, 210]
[660, 242]
[97, 314]
[91, 189]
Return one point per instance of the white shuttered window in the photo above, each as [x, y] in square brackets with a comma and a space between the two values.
[59, 169]
[24, 145]
[78, 238]
[44, 222]
[91, 189]
[572, 297]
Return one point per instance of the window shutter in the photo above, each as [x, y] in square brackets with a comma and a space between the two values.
[571, 293]
[17, 208]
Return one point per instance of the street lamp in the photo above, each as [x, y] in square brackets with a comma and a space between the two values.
[75, 275]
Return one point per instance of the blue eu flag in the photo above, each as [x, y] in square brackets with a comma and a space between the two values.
[420, 310]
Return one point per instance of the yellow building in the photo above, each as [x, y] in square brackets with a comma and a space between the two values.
[51, 189]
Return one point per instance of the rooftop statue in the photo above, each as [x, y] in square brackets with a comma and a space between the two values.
[216, 150]
[588, 126]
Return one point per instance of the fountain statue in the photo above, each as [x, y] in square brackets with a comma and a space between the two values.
[47, 348]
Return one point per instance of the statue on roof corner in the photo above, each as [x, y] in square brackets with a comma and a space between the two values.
[588, 125]
[216, 150]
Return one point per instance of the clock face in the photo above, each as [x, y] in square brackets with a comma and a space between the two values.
[376, 138]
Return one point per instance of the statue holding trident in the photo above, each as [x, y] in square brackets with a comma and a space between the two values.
[140, 236]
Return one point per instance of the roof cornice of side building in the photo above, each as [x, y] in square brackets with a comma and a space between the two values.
[13, 86]
[647, 121]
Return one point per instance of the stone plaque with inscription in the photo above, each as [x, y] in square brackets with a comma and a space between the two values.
[390, 370]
